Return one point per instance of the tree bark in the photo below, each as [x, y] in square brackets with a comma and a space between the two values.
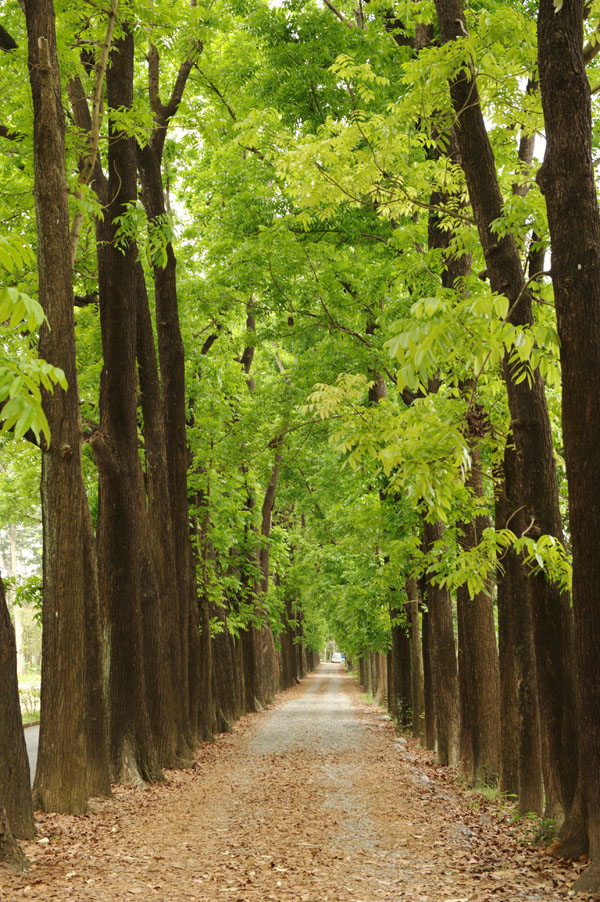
[158, 585]
[529, 420]
[15, 788]
[478, 668]
[567, 179]
[444, 668]
[202, 682]
[399, 687]
[122, 504]
[518, 651]
[171, 354]
[382, 684]
[416, 661]
[521, 769]
[266, 656]
[11, 853]
[507, 582]
[428, 693]
[73, 754]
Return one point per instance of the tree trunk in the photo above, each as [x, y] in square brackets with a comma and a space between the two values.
[400, 685]
[172, 366]
[530, 421]
[122, 503]
[267, 658]
[392, 700]
[416, 661]
[428, 693]
[73, 731]
[225, 676]
[207, 722]
[174, 411]
[249, 665]
[158, 584]
[382, 684]
[195, 663]
[521, 769]
[478, 669]
[11, 853]
[444, 668]
[367, 674]
[568, 181]
[201, 683]
[505, 586]
[374, 673]
[15, 788]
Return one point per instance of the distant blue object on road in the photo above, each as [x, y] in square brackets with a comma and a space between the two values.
[343, 656]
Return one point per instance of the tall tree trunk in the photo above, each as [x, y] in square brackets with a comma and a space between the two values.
[382, 684]
[374, 674]
[159, 588]
[416, 661]
[428, 692]
[568, 180]
[174, 402]
[392, 700]
[506, 592]
[287, 645]
[122, 503]
[444, 668]
[266, 652]
[400, 684]
[73, 749]
[530, 420]
[201, 683]
[11, 853]
[249, 668]
[521, 768]
[478, 659]
[15, 788]
[515, 602]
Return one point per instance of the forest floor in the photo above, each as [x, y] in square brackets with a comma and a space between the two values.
[311, 800]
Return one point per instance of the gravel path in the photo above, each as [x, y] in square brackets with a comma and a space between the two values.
[312, 800]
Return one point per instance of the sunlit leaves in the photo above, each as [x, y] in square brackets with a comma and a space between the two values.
[22, 374]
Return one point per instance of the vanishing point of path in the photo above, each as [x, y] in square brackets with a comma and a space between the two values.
[312, 800]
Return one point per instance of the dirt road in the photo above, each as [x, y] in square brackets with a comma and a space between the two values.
[312, 800]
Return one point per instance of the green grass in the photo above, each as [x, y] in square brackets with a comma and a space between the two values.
[31, 718]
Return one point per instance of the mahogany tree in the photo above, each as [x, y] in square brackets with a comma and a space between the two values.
[529, 420]
[122, 517]
[568, 181]
[73, 733]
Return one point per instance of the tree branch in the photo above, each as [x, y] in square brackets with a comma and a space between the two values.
[179, 86]
[9, 134]
[591, 51]
[339, 14]
[83, 121]
[6, 41]
[89, 162]
[154, 81]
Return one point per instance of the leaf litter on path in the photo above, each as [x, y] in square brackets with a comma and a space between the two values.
[309, 800]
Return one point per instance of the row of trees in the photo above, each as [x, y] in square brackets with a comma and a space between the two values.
[372, 270]
[471, 397]
[143, 654]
